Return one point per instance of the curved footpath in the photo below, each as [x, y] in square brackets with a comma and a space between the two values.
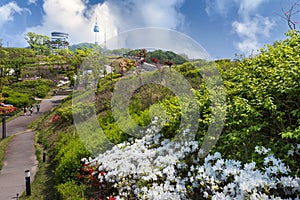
[20, 154]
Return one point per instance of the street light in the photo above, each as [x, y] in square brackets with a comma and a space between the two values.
[4, 123]
[27, 182]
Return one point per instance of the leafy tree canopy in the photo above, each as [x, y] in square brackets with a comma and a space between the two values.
[162, 56]
[37, 42]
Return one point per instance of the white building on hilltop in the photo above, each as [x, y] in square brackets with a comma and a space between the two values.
[59, 40]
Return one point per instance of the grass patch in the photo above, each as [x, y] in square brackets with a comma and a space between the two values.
[3, 146]
[42, 187]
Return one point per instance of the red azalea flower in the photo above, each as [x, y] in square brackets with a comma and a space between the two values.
[102, 173]
[155, 60]
[90, 170]
[55, 118]
[112, 198]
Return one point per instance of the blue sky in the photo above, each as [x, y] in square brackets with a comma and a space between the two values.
[223, 27]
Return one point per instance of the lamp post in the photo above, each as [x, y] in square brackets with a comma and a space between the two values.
[27, 183]
[4, 124]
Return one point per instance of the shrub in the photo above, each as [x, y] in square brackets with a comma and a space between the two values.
[70, 151]
[71, 191]
[42, 90]
[18, 99]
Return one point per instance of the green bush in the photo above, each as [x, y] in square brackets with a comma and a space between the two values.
[23, 93]
[81, 111]
[70, 151]
[16, 98]
[41, 91]
[65, 113]
[32, 83]
[71, 191]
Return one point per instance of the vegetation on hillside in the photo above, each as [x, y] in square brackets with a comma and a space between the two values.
[261, 130]
[161, 56]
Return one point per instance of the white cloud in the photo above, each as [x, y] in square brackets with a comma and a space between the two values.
[257, 26]
[247, 7]
[250, 27]
[32, 2]
[243, 7]
[68, 16]
[141, 13]
[77, 19]
[250, 31]
[7, 12]
[220, 7]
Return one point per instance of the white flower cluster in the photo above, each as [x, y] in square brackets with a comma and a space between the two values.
[158, 168]
[227, 179]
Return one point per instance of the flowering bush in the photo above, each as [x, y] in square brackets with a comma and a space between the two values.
[55, 118]
[158, 168]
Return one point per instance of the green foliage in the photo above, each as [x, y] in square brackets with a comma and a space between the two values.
[120, 51]
[38, 42]
[69, 150]
[16, 98]
[263, 109]
[65, 113]
[162, 56]
[42, 91]
[75, 47]
[22, 93]
[81, 111]
[32, 83]
[16, 53]
[191, 73]
[165, 56]
[263, 100]
[71, 191]
[113, 133]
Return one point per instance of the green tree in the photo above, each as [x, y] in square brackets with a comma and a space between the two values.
[263, 101]
[4, 57]
[38, 42]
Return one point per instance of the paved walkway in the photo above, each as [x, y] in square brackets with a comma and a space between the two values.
[20, 155]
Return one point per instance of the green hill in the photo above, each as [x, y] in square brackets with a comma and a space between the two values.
[260, 137]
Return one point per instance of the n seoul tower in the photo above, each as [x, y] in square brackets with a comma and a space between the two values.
[96, 31]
